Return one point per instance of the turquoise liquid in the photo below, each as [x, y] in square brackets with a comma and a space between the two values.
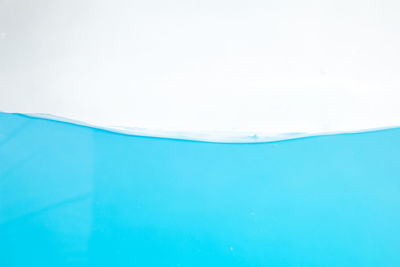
[78, 196]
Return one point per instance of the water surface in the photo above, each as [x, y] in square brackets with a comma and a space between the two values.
[72, 195]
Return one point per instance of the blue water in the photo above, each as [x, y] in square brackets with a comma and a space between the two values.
[78, 196]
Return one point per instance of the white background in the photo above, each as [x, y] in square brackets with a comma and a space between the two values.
[210, 65]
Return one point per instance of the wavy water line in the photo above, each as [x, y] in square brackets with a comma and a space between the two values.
[204, 136]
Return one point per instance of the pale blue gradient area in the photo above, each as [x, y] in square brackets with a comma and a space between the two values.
[79, 196]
